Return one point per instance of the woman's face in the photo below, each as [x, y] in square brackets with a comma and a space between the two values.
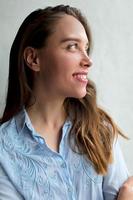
[64, 61]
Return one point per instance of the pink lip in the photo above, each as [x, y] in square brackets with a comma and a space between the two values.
[82, 72]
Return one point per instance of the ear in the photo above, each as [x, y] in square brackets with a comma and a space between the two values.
[31, 58]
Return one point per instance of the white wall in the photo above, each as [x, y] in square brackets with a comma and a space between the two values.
[112, 28]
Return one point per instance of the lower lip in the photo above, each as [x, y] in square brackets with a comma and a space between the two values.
[80, 80]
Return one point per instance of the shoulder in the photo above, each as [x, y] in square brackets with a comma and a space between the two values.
[7, 134]
[7, 127]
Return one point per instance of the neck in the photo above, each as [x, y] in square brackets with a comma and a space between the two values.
[47, 110]
[47, 116]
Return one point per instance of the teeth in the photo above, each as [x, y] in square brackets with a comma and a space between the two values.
[81, 76]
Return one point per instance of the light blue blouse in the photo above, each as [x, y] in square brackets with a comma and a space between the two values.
[30, 170]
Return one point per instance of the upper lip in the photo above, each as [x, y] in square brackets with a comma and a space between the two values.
[81, 72]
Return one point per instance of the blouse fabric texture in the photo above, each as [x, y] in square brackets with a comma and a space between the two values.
[30, 170]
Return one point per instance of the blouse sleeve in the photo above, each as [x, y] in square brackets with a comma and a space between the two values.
[7, 190]
[116, 176]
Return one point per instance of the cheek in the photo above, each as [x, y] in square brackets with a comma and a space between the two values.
[60, 65]
[67, 63]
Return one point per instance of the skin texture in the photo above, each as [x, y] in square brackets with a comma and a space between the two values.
[126, 191]
[60, 59]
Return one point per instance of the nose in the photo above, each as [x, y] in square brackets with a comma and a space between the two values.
[86, 60]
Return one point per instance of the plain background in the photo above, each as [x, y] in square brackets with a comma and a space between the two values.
[112, 29]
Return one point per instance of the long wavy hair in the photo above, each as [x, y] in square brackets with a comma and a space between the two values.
[93, 129]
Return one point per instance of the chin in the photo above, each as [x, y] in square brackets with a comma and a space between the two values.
[81, 96]
[78, 95]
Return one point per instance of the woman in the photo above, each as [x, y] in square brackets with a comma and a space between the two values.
[55, 142]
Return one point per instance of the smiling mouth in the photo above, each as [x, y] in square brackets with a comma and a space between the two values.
[81, 77]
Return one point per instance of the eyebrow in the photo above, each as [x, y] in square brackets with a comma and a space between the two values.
[73, 39]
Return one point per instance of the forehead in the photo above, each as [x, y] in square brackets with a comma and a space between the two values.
[69, 26]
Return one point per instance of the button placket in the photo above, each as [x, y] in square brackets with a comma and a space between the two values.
[67, 179]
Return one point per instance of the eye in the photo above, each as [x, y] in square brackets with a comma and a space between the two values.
[72, 46]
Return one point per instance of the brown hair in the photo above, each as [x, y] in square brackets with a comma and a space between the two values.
[93, 129]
